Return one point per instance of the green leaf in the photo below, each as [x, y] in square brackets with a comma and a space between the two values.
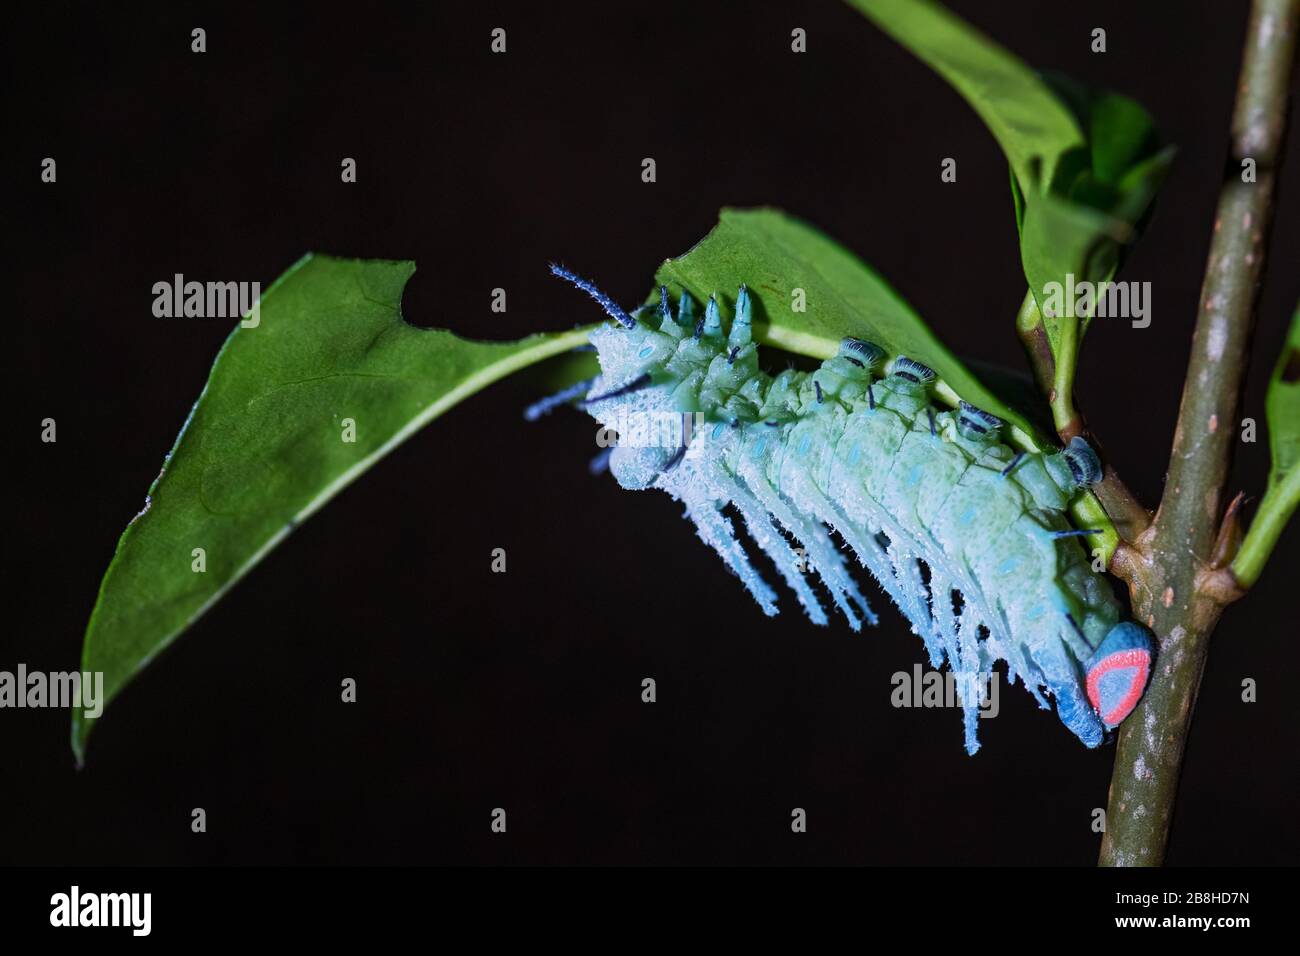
[1282, 407]
[1085, 219]
[1121, 135]
[1059, 239]
[776, 255]
[1025, 116]
[263, 447]
[1085, 165]
[1081, 228]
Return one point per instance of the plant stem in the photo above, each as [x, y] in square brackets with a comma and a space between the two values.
[1029, 326]
[1122, 506]
[1275, 509]
[1168, 565]
[1064, 415]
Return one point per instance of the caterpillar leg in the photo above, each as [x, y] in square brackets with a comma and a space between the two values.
[759, 523]
[908, 575]
[826, 558]
[941, 641]
[716, 531]
[1118, 670]
[864, 546]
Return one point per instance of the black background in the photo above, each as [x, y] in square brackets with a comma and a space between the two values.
[522, 690]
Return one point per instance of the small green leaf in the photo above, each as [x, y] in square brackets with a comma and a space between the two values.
[1121, 135]
[1082, 227]
[265, 444]
[1092, 209]
[1282, 406]
[1059, 238]
[1085, 164]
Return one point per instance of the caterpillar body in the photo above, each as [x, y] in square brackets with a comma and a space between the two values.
[969, 538]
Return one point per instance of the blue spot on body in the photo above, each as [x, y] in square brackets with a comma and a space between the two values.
[854, 455]
[1009, 565]
[647, 351]
[718, 429]
[758, 448]
[804, 445]
[1035, 612]
[967, 516]
[914, 476]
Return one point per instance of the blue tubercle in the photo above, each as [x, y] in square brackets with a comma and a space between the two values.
[612, 308]
[551, 402]
[1083, 462]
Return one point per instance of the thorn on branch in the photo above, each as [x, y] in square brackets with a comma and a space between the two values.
[1231, 532]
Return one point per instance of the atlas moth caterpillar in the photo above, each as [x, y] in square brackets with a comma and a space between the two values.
[970, 538]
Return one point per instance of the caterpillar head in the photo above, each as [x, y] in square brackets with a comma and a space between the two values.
[629, 348]
[692, 363]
